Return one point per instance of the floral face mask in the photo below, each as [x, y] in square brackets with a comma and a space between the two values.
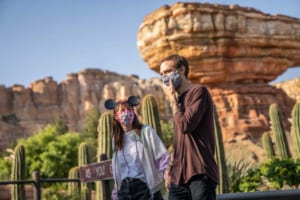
[175, 77]
[125, 117]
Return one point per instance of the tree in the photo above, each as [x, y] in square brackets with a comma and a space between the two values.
[60, 127]
[52, 154]
[5, 164]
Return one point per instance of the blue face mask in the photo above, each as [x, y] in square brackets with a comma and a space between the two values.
[175, 77]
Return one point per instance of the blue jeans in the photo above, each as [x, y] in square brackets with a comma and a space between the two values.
[198, 187]
[135, 189]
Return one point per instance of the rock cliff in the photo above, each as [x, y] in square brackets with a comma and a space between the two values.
[25, 110]
[291, 88]
[234, 51]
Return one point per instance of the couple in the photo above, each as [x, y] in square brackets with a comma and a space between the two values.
[141, 162]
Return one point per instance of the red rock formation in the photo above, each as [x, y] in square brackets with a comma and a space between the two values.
[291, 87]
[235, 51]
[25, 110]
[244, 110]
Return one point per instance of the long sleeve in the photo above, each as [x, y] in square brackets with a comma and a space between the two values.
[161, 155]
[162, 163]
[155, 158]
[192, 113]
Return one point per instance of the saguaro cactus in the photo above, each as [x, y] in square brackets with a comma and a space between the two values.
[85, 193]
[295, 130]
[73, 188]
[83, 154]
[18, 173]
[268, 146]
[150, 113]
[83, 159]
[104, 146]
[279, 133]
[104, 135]
[220, 156]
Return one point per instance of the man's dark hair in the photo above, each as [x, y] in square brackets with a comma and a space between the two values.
[179, 61]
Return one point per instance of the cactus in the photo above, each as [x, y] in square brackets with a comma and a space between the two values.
[73, 187]
[104, 135]
[83, 159]
[278, 131]
[268, 146]
[83, 154]
[85, 193]
[223, 186]
[150, 113]
[104, 146]
[18, 173]
[295, 130]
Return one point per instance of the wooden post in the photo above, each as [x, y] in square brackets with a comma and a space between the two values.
[37, 185]
[100, 171]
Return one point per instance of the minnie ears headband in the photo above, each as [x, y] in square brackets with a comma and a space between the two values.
[111, 104]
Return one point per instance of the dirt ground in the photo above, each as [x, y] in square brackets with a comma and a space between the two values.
[244, 151]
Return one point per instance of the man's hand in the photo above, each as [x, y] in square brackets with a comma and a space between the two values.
[169, 89]
[171, 95]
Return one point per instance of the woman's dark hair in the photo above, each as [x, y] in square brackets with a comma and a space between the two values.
[118, 131]
[179, 61]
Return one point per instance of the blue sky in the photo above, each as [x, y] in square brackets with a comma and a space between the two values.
[40, 38]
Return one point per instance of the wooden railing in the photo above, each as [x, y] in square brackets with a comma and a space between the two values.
[37, 182]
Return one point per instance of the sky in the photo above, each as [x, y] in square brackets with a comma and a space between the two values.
[42, 38]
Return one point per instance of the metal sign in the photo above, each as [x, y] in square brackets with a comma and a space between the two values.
[96, 171]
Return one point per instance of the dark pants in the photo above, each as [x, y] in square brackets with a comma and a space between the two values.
[135, 189]
[199, 187]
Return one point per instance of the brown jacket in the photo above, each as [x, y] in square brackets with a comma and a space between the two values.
[194, 139]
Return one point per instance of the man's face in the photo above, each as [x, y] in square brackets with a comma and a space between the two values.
[170, 75]
[167, 67]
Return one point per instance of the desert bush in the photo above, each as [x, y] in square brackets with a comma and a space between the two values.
[235, 171]
[275, 174]
[167, 130]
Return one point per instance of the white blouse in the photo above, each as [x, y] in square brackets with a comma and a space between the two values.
[128, 157]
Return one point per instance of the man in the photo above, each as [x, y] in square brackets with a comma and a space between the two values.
[193, 173]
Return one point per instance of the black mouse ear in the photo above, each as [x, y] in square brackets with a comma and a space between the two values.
[110, 104]
[133, 100]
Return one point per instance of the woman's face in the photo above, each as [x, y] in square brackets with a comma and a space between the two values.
[124, 114]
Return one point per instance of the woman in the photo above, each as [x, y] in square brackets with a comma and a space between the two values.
[139, 156]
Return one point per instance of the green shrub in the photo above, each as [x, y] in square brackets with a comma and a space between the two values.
[275, 174]
[5, 166]
[235, 171]
[46, 151]
[167, 128]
